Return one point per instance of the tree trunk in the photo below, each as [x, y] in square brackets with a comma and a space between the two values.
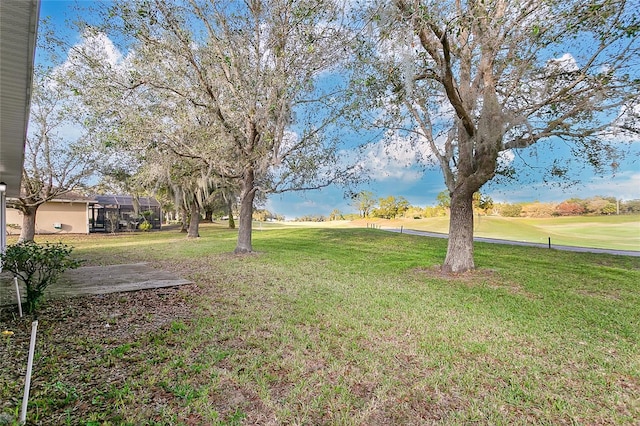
[247, 195]
[194, 220]
[208, 215]
[33, 297]
[460, 248]
[232, 223]
[28, 231]
[183, 219]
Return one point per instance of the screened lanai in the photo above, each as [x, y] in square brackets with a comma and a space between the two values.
[113, 213]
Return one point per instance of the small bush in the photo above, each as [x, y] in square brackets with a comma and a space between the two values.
[37, 266]
[510, 210]
[145, 226]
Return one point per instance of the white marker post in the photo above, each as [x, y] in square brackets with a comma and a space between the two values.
[27, 380]
[15, 281]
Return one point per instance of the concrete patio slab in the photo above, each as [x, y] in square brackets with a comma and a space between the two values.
[96, 280]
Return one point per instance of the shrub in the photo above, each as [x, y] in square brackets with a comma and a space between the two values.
[37, 266]
[510, 210]
[537, 209]
[145, 226]
[569, 208]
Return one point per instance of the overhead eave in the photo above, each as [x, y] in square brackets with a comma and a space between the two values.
[18, 30]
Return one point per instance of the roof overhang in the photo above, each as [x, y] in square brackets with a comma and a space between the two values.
[18, 29]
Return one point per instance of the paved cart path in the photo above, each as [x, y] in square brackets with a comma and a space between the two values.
[97, 280]
[520, 243]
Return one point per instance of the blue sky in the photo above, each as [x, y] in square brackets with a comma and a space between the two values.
[392, 176]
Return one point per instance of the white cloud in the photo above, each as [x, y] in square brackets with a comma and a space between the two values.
[629, 117]
[103, 44]
[395, 157]
[505, 158]
[403, 158]
[566, 63]
[624, 186]
[289, 141]
[95, 46]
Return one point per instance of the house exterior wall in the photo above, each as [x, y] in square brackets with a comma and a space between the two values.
[72, 217]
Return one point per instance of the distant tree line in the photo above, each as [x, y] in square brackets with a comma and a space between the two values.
[391, 207]
[598, 205]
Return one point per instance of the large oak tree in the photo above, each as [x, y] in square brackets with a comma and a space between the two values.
[249, 71]
[468, 80]
[57, 159]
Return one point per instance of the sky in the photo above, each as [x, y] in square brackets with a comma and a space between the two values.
[395, 171]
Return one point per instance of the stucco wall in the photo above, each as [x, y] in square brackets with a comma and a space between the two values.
[72, 218]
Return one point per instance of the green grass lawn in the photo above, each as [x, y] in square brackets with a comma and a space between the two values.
[609, 232]
[347, 327]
